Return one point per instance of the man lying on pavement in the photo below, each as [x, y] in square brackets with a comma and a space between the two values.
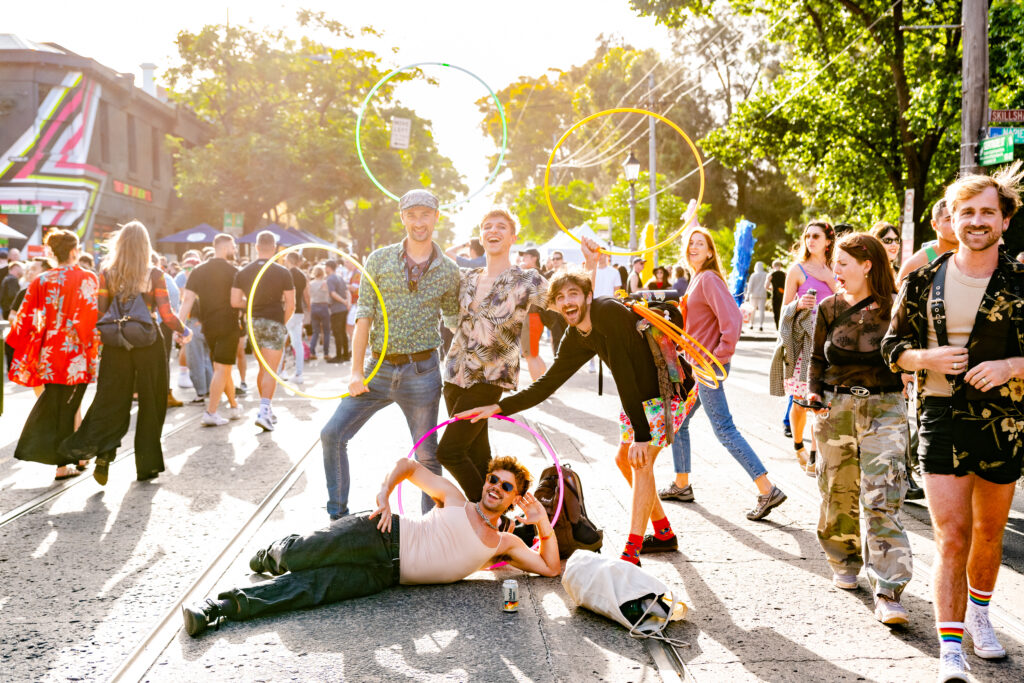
[357, 556]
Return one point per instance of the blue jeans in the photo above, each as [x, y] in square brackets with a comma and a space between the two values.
[197, 355]
[416, 388]
[321, 317]
[725, 430]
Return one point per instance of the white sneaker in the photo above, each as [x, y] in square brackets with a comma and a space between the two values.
[298, 379]
[986, 644]
[890, 612]
[953, 667]
[273, 417]
[213, 420]
[264, 422]
[235, 413]
[184, 381]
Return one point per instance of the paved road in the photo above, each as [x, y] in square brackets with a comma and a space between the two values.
[90, 574]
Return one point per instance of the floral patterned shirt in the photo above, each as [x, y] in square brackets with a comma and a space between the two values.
[486, 347]
[412, 315]
[989, 423]
[54, 333]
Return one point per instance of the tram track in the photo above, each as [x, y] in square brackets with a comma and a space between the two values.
[57, 491]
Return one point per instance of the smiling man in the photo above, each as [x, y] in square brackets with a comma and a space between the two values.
[483, 360]
[605, 327]
[959, 322]
[417, 283]
[357, 556]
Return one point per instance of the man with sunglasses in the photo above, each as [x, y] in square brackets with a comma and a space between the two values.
[358, 556]
[417, 283]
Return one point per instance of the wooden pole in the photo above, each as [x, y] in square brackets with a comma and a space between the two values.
[974, 114]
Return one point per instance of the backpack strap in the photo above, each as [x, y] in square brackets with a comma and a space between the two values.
[849, 313]
[938, 308]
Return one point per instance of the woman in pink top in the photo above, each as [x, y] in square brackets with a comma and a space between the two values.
[813, 271]
[714, 320]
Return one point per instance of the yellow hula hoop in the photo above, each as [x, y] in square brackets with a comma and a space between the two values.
[252, 335]
[625, 110]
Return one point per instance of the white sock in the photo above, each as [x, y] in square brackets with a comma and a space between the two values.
[978, 599]
[951, 636]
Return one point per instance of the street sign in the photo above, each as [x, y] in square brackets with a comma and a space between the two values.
[997, 150]
[233, 223]
[400, 130]
[1017, 133]
[22, 208]
[1007, 116]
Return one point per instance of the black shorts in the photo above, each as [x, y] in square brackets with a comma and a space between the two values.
[224, 347]
[935, 448]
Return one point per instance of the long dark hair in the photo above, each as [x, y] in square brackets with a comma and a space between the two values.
[830, 236]
[864, 247]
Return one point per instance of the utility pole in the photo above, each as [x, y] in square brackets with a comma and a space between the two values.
[974, 111]
[652, 169]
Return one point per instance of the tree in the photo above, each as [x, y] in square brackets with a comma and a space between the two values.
[861, 109]
[671, 209]
[283, 111]
[573, 203]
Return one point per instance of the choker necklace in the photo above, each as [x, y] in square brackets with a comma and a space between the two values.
[483, 517]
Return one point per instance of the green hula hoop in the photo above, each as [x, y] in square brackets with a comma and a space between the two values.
[388, 77]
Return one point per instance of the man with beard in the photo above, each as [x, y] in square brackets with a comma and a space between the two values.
[607, 328]
[959, 322]
[417, 281]
[356, 556]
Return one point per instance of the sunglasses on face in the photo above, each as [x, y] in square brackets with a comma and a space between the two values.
[507, 487]
[891, 240]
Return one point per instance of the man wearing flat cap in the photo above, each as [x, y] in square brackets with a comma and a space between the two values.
[417, 283]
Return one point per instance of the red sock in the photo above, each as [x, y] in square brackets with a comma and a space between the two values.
[632, 550]
[662, 529]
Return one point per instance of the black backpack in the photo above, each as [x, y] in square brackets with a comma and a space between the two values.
[574, 530]
[127, 324]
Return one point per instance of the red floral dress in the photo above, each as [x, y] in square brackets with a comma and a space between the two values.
[54, 334]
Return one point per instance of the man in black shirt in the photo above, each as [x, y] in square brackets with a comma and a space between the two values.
[9, 287]
[607, 328]
[273, 303]
[294, 323]
[776, 286]
[211, 283]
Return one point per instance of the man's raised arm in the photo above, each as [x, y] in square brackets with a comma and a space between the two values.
[435, 486]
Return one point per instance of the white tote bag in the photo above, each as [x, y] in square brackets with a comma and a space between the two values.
[603, 584]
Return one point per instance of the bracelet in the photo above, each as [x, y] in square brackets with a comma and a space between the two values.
[544, 538]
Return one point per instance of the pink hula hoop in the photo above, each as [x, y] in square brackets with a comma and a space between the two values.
[541, 439]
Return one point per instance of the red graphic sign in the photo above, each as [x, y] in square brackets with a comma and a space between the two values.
[1007, 116]
[132, 191]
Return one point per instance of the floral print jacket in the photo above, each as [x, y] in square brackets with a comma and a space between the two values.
[992, 421]
[54, 334]
[486, 347]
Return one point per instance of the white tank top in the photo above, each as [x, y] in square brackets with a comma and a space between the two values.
[440, 547]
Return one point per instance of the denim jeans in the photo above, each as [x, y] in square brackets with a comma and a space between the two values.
[295, 333]
[725, 430]
[197, 355]
[416, 388]
[349, 559]
[321, 329]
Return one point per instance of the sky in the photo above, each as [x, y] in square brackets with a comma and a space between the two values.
[496, 41]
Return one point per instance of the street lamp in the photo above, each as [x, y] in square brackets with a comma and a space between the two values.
[632, 170]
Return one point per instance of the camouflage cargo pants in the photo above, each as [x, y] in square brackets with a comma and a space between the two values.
[861, 471]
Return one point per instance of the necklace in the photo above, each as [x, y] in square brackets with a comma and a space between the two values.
[483, 517]
[587, 333]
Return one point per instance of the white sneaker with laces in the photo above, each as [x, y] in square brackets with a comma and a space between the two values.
[264, 421]
[184, 381]
[235, 413]
[986, 644]
[212, 420]
[953, 667]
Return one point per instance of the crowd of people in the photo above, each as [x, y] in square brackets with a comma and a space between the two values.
[929, 379]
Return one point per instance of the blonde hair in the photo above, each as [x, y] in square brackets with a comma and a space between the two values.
[713, 263]
[127, 265]
[498, 211]
[1006, 183]
[318, 271]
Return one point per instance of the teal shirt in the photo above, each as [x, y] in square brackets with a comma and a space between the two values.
[412, 316]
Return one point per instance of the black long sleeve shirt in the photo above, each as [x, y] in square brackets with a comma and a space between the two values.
[615, 339]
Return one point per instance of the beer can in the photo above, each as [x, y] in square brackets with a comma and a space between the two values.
[510, 595]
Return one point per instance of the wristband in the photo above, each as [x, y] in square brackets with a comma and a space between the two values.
[544, 538]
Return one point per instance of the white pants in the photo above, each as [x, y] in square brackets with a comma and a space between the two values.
[294, 327]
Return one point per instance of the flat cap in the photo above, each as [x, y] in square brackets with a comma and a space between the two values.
[418, 198]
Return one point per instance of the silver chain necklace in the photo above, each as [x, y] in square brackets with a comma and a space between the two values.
[483, 517]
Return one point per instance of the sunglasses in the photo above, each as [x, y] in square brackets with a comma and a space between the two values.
[891, 240]
[507, 487]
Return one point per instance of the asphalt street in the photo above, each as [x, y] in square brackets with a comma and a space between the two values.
[92, 574]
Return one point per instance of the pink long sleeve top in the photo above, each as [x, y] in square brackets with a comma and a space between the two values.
[712, 316]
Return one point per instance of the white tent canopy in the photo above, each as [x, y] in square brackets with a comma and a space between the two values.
[10, 233]
[570, 248]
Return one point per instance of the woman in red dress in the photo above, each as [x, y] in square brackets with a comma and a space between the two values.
[56, 346]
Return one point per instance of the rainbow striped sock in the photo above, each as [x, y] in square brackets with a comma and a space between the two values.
[978, 598]
[951, 635]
